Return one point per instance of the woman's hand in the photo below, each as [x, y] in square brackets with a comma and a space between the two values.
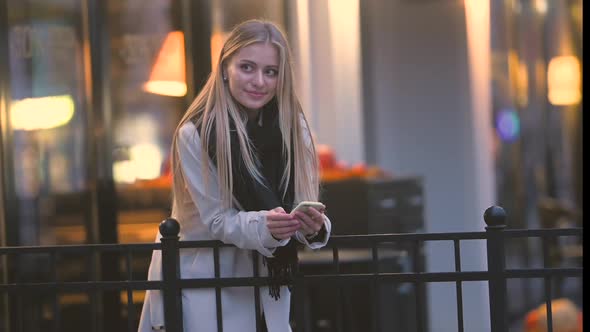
[311, 221]
[281, 224]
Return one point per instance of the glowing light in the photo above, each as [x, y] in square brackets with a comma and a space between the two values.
[563, 80]
[217, 40]
[168, 76]
[148, 160]
[508, 125]
[41, 113]
[541, 6]
[144, 163]
[174, 89]
[124, 171]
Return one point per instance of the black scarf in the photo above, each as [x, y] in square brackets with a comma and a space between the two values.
[268, 144]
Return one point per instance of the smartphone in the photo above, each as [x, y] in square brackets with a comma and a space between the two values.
[303, 206]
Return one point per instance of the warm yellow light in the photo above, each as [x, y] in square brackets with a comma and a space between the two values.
[541, 6]
[168, 76]
[124, 171]
[563, 81]
[148, 160]
[145, 162]
[41, 112]
[167, 88]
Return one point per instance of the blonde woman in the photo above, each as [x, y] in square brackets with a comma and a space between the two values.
[243, 156]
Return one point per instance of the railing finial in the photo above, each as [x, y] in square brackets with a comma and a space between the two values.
[495, 216]
[169, 227]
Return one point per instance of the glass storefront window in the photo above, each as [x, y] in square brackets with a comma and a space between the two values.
[46, 156]
[147, 88]
[48, 122]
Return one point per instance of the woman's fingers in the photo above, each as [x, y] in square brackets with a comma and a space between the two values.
[311, 221]
[281, 225]
[279, 210]
[305, 222]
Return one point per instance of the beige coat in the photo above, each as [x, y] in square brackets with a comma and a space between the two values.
[202, 217]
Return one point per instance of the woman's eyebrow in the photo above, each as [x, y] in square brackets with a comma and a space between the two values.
[248, 61]
[256, 64]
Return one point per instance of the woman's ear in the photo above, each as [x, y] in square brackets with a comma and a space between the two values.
[224, 73]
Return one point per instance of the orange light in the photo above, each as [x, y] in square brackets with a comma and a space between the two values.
[168, 76]
[217, 40]
[563, 80]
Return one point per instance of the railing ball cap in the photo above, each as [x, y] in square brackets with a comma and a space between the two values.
[495, 216]
[169, 227]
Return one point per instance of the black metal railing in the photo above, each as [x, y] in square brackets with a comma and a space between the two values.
[372, 252]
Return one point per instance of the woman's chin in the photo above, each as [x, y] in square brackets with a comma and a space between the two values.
[251, 105]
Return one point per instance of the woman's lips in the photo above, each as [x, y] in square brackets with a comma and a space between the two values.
[256, 94]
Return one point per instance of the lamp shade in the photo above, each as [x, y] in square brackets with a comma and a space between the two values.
[168, 76]
[563, 80]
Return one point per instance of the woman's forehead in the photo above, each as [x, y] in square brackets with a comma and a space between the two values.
[265, 54]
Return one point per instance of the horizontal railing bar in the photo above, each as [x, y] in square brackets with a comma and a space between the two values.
[137, 285]
[81, 286]
[227, 282]
[334, 240]
[544, 232]
[372, 238]
[203, 244]
[264, 281]
[544, 272]
[338, 239]
[85, 248]
[312, 279]
[396, 277]
[435, 276]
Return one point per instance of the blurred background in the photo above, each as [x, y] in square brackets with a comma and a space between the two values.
[425, 111]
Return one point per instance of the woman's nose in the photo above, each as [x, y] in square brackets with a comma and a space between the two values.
[258, 79]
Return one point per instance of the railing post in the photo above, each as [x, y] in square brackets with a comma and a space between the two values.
[169, 228]
[495, 218]
[298, 300]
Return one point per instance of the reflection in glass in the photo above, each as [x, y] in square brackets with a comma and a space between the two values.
[48, 122]
[147, 83]
[41, 112]
[48, 136]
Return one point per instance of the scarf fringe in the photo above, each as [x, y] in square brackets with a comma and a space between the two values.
[278, 274]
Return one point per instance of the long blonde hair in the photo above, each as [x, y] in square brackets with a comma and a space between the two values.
[214, 107]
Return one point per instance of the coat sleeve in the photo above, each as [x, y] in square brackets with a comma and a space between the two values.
[307, 136]
[244, 229]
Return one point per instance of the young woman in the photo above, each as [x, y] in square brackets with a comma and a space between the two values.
[243, 157]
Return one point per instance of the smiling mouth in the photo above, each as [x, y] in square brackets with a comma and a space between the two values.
[256, 94]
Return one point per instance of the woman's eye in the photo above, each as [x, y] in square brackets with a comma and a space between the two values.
[272, 72]
[246, 67]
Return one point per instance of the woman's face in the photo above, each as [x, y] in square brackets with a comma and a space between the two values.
[252, 74]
